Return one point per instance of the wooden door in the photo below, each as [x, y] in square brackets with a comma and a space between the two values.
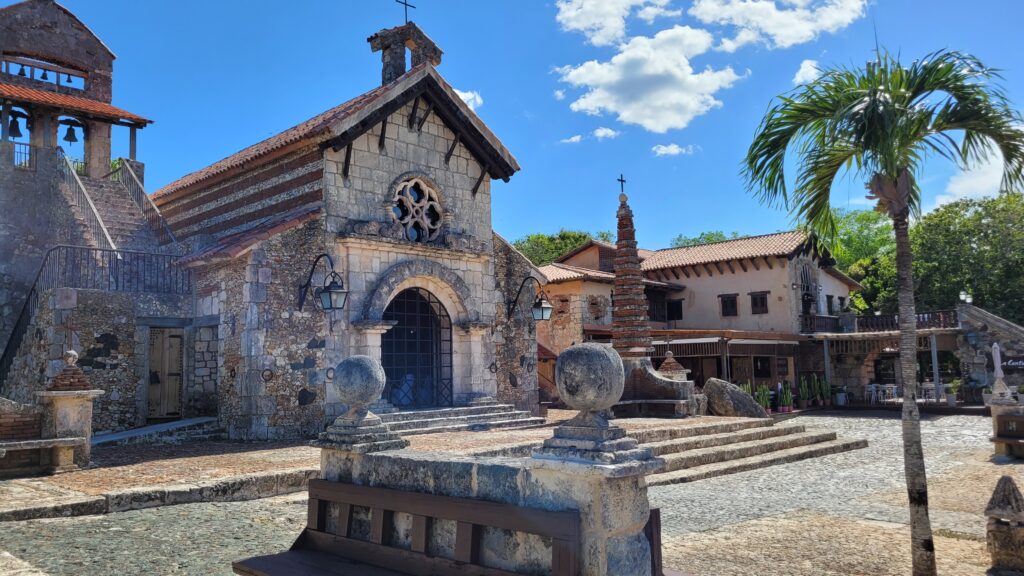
[165, 372]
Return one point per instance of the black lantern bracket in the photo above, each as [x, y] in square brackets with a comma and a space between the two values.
[332, 294]
[541, 307]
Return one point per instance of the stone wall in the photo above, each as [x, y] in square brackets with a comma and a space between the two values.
[980, 329]
[201, 391]
[516, 340]
[28, 229]
[275, 359]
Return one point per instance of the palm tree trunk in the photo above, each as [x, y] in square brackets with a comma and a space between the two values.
[922, 545]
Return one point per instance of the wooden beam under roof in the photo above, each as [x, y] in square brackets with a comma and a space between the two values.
[708, 270]
[768, 262]
[383, 133]
[412, 115]
[742, 265]
[728, 264]
[451, 149]
[753, 262]
[426, 114]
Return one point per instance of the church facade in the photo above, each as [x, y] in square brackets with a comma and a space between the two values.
[383, 202]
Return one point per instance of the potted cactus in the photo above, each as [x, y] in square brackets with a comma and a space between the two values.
[805, 393]
[952, 389]
[786, 399]
[747, 388]
[764, 398]
[825, 392]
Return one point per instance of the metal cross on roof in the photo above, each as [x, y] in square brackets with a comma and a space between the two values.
[407, 6]
[622, 183]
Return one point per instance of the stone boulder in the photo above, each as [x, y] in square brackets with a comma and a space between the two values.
[725, 399]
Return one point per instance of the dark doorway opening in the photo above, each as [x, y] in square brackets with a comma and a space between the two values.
[417, 352]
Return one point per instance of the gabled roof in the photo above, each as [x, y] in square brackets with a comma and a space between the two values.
[72, 16]
[78, 104]
[341, 124]
[781, 244]
[558, 272]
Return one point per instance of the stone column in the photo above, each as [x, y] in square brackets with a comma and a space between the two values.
[482, 386]
[1005, 530]
[97, 148]
[594, 467]
[67, 411]
[631, 331]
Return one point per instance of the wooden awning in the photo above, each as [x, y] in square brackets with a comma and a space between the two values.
[71, 104]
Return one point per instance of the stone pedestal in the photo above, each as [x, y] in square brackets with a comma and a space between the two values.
[1005, 530]
[1006, 406]
[69, 414]
[359, 381]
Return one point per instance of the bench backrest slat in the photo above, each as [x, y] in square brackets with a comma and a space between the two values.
[557, 525]
[470, 517]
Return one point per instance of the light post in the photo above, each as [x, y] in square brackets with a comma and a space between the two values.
[332, 295]
[541, 308]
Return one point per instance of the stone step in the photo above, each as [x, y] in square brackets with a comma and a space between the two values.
[187, 429]
[530, 422]
[756, 462]
[677, 445]
[403, 425]
[740, 450]
[669, 433]
[443, 412]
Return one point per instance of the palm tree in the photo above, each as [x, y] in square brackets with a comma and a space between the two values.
[880, 123]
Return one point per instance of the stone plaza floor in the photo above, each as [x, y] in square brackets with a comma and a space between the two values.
[840, 514]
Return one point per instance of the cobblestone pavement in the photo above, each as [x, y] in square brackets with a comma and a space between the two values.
[842, 514]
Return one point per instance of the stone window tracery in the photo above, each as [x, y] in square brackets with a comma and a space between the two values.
[418, 210]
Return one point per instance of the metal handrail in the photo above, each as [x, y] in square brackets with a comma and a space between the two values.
[78, 192]
[137, 191]
[88, 268]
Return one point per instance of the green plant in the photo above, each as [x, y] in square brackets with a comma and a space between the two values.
[805, 390]
[786, 397]
[764, 397]
[954, 386]
[747, 387]
[986, 390]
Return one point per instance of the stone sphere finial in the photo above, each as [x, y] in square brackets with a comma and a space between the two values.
[71, 358]
[590, 377]
[623, 198]
[358, 382]
[669, 355]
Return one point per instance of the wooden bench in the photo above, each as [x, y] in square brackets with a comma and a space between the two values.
[318, 552]
[61, 454]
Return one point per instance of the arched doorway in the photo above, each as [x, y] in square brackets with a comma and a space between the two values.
[417, 351]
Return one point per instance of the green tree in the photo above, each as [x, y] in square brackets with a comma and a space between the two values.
[703, 238]
[861, 234]
[878, 276]
[543, 249]
[976, 246]
[879, 123]
[605, 236]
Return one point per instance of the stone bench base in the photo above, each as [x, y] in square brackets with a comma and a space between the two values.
[56, 455]
[1008, 446]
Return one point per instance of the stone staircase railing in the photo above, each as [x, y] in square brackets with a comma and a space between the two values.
[127, 177]
[90, 268]
[80, 198]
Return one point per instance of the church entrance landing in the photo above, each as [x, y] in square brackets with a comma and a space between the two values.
[417, 352]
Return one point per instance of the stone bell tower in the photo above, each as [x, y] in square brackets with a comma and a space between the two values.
[393, 42]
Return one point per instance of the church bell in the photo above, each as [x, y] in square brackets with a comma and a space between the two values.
[14, 129]
[44, 77]
[69, 136]
[21, 71]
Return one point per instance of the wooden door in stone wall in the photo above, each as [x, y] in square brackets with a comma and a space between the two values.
[165, 372]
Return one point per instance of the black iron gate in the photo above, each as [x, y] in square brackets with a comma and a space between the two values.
[417, 351]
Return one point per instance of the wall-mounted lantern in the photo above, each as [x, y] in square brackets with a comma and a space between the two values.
[965, 297]
[541, 308]
[332, 295]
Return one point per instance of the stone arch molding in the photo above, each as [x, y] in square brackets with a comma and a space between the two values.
[402, 276]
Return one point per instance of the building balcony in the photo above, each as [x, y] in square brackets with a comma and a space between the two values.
[851, 323]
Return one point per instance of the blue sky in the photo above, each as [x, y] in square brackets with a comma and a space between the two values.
[687, 78]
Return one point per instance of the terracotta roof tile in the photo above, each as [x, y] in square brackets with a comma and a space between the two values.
[68, 102]
[558, 272]
[777, 244]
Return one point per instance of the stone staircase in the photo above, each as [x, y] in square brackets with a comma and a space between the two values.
[466, 418]
[124, 220]
[716, 449]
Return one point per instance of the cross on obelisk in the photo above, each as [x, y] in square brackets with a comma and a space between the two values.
[622, 183]
[406, 4]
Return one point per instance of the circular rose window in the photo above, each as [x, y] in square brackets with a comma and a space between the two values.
[418, 210]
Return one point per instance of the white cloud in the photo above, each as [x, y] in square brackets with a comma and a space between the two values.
[572, 139]
[808, 72]
[559, 94]
[603, 22]
[672, 149]
[981, 181]
[472, 98]
[602, 133]
[777, 23]
[651, 81]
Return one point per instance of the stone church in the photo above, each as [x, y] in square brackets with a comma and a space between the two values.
[233, 291]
